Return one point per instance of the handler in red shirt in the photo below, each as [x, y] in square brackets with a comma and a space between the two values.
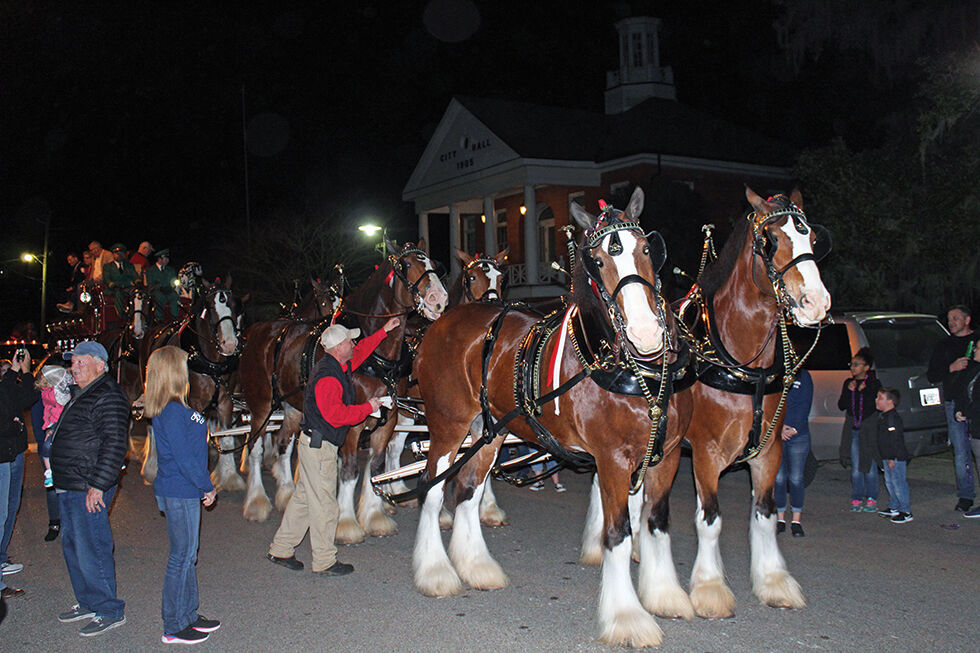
[328, 411]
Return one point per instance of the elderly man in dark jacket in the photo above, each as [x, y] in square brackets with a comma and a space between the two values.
[17, 394]
[87, 453]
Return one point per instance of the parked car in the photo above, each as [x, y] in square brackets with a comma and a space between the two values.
[901, 344]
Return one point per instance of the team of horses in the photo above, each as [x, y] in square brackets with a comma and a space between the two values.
[612, 377]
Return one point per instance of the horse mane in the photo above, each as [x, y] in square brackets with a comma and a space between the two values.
[456, 290]
[717, 272]
[582, 293]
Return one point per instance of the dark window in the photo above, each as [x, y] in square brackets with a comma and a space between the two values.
[902, 342]
[833, 350]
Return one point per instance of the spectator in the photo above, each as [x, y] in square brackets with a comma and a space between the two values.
[966, 396]
[948, 361]
[796, 447]
[890, 437]
[181, 486]
[17, 394]
[100, 258]
[87, 453]
[328, 411]
[77, 276]
[50, 496]
[160, 277]
[53, 382]
[857, 400]
[118, 277]
[141, 259]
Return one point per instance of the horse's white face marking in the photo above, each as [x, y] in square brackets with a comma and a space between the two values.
[228, 338]
[495, 277]
[139, 325]
[642, 325]
[812, 298]
[436, 297]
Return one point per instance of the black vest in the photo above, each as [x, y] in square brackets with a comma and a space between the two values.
[312, 419]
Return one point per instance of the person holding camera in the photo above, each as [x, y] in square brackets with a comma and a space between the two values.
[17, 394]
[328, 411]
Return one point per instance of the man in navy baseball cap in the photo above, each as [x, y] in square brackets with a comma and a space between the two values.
[87, 348]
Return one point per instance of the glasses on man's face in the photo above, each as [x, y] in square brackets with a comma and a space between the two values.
[858, 364]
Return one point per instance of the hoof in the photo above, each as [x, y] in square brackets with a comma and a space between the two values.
[636, 629]
[713, 600]
[388, 508]
[257, 509]
[493, 517]
[445, 520]
[349, 532]
[378, 524]
[283, 495]
[780, 590]
[230, 483]
[438, 580]
[590, 557]
[484, 575]
[673, 603]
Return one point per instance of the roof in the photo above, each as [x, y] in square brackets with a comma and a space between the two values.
[655, 126]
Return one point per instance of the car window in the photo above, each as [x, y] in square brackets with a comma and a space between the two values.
[902, 343]
[833, 350]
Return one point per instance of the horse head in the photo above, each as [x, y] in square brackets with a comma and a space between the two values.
[222, 312]
[327, 295]
[419, 274]
[620, 265]
[190, 280]
[482, 276]
[790, 248]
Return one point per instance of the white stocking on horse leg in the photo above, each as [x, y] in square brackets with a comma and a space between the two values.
[491, 514]
[149, 469]
[771, 582]
[393, 460]
[622, 620]
[348, 530]
[635, 503]
[591, 553]
[282, 470]
[224, 476]
[711, 597]
[257, 505]
[468, 550]
[371, 512]
[660, 591]
[434, 574]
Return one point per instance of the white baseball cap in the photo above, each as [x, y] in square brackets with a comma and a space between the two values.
[336, 334]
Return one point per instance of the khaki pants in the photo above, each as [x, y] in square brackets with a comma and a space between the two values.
[313, 506]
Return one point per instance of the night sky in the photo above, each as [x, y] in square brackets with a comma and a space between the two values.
[123, 121]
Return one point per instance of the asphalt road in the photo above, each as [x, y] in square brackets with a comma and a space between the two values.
[870, 585]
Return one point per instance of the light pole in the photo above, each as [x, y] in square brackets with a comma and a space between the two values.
[28, 257]
[370, 230]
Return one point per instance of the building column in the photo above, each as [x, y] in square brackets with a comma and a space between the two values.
[424, 230]
[531, 236]
[489, 227]
[453, 240]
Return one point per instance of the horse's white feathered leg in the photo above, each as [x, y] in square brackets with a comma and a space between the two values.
[659, 589]
[434, 574]
[491, 514]
[710, 595]
[468, 550]
[257, 505]
[622, 619]
[349, 531]
[591, 553]
[771, 581]
[282, 470]
[393, 460]
[371, 513]
[635, 503]
[224, 476]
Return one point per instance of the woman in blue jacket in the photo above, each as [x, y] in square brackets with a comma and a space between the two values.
[181, 486]
[796, 447]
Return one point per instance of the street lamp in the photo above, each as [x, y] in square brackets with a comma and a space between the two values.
[28, 257]
[370, 230]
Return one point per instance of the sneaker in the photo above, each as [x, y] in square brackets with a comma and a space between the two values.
[11, 593]
[206, 625]
[537, 487]
[99, 625]
[963, 505]
[972, 514]
[289, 563]
[559, 487]
[855, 505]
[48, 480]
[187, 636]
[797, 529]
[77, 612]
[871, 506]
[891, 512]
[53, 530]
[337, 569]
[902, 518]
[780, 527]
[11, 567]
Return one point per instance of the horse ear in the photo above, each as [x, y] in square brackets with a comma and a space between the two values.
[464, 257]
[316, 284]
[244, 298]
[392, 246]
[757, 202]
[635, 207]
[228, 282]
[502, 256]
[421, 245]
[796, 197]
[584, 219]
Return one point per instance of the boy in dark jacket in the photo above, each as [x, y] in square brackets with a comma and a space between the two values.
[894, 456]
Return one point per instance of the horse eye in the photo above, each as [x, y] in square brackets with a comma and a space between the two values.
[472, 277]
[646, 250]
[599, 263]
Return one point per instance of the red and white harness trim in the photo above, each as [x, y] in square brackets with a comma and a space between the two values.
[554, 365]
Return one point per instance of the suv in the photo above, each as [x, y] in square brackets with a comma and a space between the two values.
[901, 344]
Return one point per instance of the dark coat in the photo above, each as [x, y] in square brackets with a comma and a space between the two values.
[17, 394]
[891, 436]
[89, 441]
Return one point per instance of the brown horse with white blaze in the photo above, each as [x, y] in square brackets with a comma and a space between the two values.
[614, 315]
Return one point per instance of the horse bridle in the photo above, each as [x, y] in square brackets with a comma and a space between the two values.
[485, 263]
[216, 326]
[399, 267]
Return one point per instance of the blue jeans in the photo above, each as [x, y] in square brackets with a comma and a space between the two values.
[959, 437]
[898, 487]
[4, 496]
[86, 541]
[795, 451]
[15, 485]
[180, 601]
[863, 486]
